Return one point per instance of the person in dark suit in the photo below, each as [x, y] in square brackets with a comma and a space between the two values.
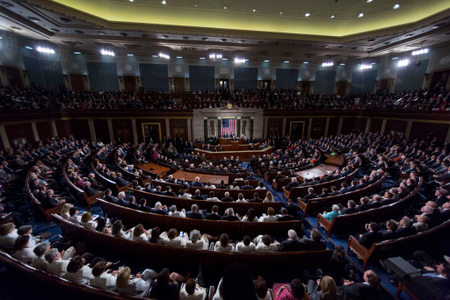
[292, 208]
[227, 198]
[251, 176]
[121, 199]
[169, 192]
[441, 277]
[157, 190]
[376, 202]
[367, 290]
[405, 228]
[256, 198]
[109, 197]
[132, 203]
[445, 212]
[334, 191]
[390, 232]
[143, 205]
[50, 201]
[88, 190]
[370, 237]
[350, 209]
[197, 182]
[311, 195]
[213, 215]
[324, 193]
[120, 181]
[285, 215]
[291, 244]
[293, 183]
[315, 242]
[159, 209]
[337, 264]
[230, 215]
[194, 213]
[246, 186]
[345, 188]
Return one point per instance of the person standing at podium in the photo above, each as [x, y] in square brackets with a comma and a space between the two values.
[225, 135]
[233, 137]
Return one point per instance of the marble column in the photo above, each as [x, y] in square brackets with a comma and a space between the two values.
[266, 126]
[92, 129]
[110, 129]
[35, 131]
[238, 124]
[309, 127]
[251, 129]
[4, 137]
[383, 126]
[189, 128]
[167, 128]
[327, 124]
[368, 123]
[205, 126]
[341, 120]
[135, 135]
[283, 131]
[219, 127]
[408, 129]
[54, 129]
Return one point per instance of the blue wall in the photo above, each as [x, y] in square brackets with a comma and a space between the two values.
[102, 75]
[363, 81]
[410, 77]
[201, 77]
[325, 81]
[287, 78]
[34, 71]
[53, 73]
[245, 78]
[155, 77]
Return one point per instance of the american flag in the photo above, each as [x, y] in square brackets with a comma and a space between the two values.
[228, 126]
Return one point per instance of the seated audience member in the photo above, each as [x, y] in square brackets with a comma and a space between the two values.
[256, 198]
[315, 242]
[65, 211]
[292, 243]
[227, 198]
[209, 185]
[350, 209]
[194, 213]
[8, 236]
[101, 279]
[22, 251]
[421, 224]
[214, 214]
[405, 227]
[169, 192]
[109, 197]
[155, 236]
[138, 285]
[197, 182]
[212, 197]
[260, 186]
[370, 237]
[246, 186]
[250, 216]
[333, 213]
[234, 186]
[229, 216]
[366, 290]
[140, 234]
[269, 197]
[192, 291]
[292, 208]
[197, 195]
[293, 291]
[159, 209]
[363, 204]
[261, 289]
[183, 194]
[197, 241]
[311, 195]
[223, 244]
[236, 284]
[58, 261]
[73, 212]
[118, 230]
[284, 215]
[293, 183]
[264, 244]
[39, 261]
[323, 289]
[87, 221]
[241, 198]
[172, 239]
[174, 212]
[77, 271]
[270, 217]
[245, 245]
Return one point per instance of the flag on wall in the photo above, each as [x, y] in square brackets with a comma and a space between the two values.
[228, 126]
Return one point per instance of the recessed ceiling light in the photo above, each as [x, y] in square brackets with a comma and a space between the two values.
[368, 1]
[77, 53]
[332, 17]
[1, 38]
[224, 7]
[396, 6]
[35, 20]
[195, 5]
[281, 12]
[435, 27]
[224, 58]
[179, 56]
[163, 2]
[361, 15]
[202, 58]
[131, 0]
[286, 61]
[305, 62]
[130, 54]
[394, 58]
[254, 10]
[307, 14]
[155, 56]
[29, 48]
[266, 60]
[373, 63]
[342, 64]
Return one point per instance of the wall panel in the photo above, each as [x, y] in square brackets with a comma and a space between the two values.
[102, 75]
[395, 125]
[79, 128]
[324, 82]
[306, 123]
[411, 76]
[201, 77]
[333, 126]
[245, 78]
[421, 130]
[19, 131]
[363, 81]
[375, 125]
[287, 78]
[155, 77]
[101, 130]
[353, 124]
[123, 130]
[318, 127]
[45, 130]
[52, 72]
[34, 70]
[180, 124]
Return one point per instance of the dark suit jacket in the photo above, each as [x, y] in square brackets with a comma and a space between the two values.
[285, 218]
[369, 238]
[256, 200]
[348, 210]
[49, 202]
[293, 210]
[387, 235]
[289, 245]
[309, 196]
[111, 199]
[194, 215]
[90, 191]
[312, 245]
[227, 199]
[291, 185]
[158, 211]
[405, 231]
[121, 182]
[198, 198]
[359, 291]
[230, 218]
[170, 194]
[247, 187]
[122, 202]
[445, 215]
[211, 216]
[197, 184]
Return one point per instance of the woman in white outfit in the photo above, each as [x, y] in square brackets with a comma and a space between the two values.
[22, 251]
[117, 231]
[139, 284]
[223, 244]
[140, 234]
[101, 279]
[198, 241]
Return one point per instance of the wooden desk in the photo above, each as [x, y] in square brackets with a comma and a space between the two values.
[205, 178]
[335, 160]
[243, 154]
[155, 169]
[316, 171]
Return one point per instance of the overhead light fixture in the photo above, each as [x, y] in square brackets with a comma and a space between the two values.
[306, 62]
[435, 27]
[361, 15]
[131, 0]
[202, 58]
[106, 52]
[155, 56]
[281, 12]
[1, 38]
[215, 56]
[224, 58]
[179, 57]
[77, 53]
[307, 14]
[254, 10]
[365, 67]
[394, 58]
[286, 61]
[421, 51]
[373, 63]
[239, 61]
[29, 48]
[266, 60]
[130, 54]
[403, 62]
[195, 5]
[342, 64]
[163, 2]
[328, 64]
[165, 56]
[224, 7]
[368, 1]
[396, 6]
[332, 17]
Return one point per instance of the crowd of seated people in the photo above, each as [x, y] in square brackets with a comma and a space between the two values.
[35, 97]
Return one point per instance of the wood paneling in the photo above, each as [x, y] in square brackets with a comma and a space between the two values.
[288, 124]
[375, 125]
[123, 130]
[45, 130]
[15, 79]
[318, 127]
[79, 128]
[77, 82]
[333, 126]
[395, 125]
[276, 125]
[19, 131]
[180, 124]
[353, 124]
[421, 130]
[101, 129]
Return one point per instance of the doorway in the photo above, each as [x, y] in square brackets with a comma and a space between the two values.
[341, 87]
[305, 87]
[266, 84]
[224, 84]
[130, 83]
[178, 82]
[14, 77]
[178, 132]
[77, 82]
[439, 81]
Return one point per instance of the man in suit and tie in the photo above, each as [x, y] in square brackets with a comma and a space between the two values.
[214, 214]
[50, 201]
[120, 181]
[350, 209]
[246, 186]
[445, 212]
[293, 183]
[291, 244]
[88, 190]
[285, 216]
[197, 195]
[121, 199]
[159, 209]
[292, 208]
[169, 192]
[367, 290]
[441, 277]
[197, 182]
[227, 198]
[230, 215]
[370, 237]
[194, 213]
[311, 195]
[251, 176]
[256, 198]
[109, 197]
[315, 242]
